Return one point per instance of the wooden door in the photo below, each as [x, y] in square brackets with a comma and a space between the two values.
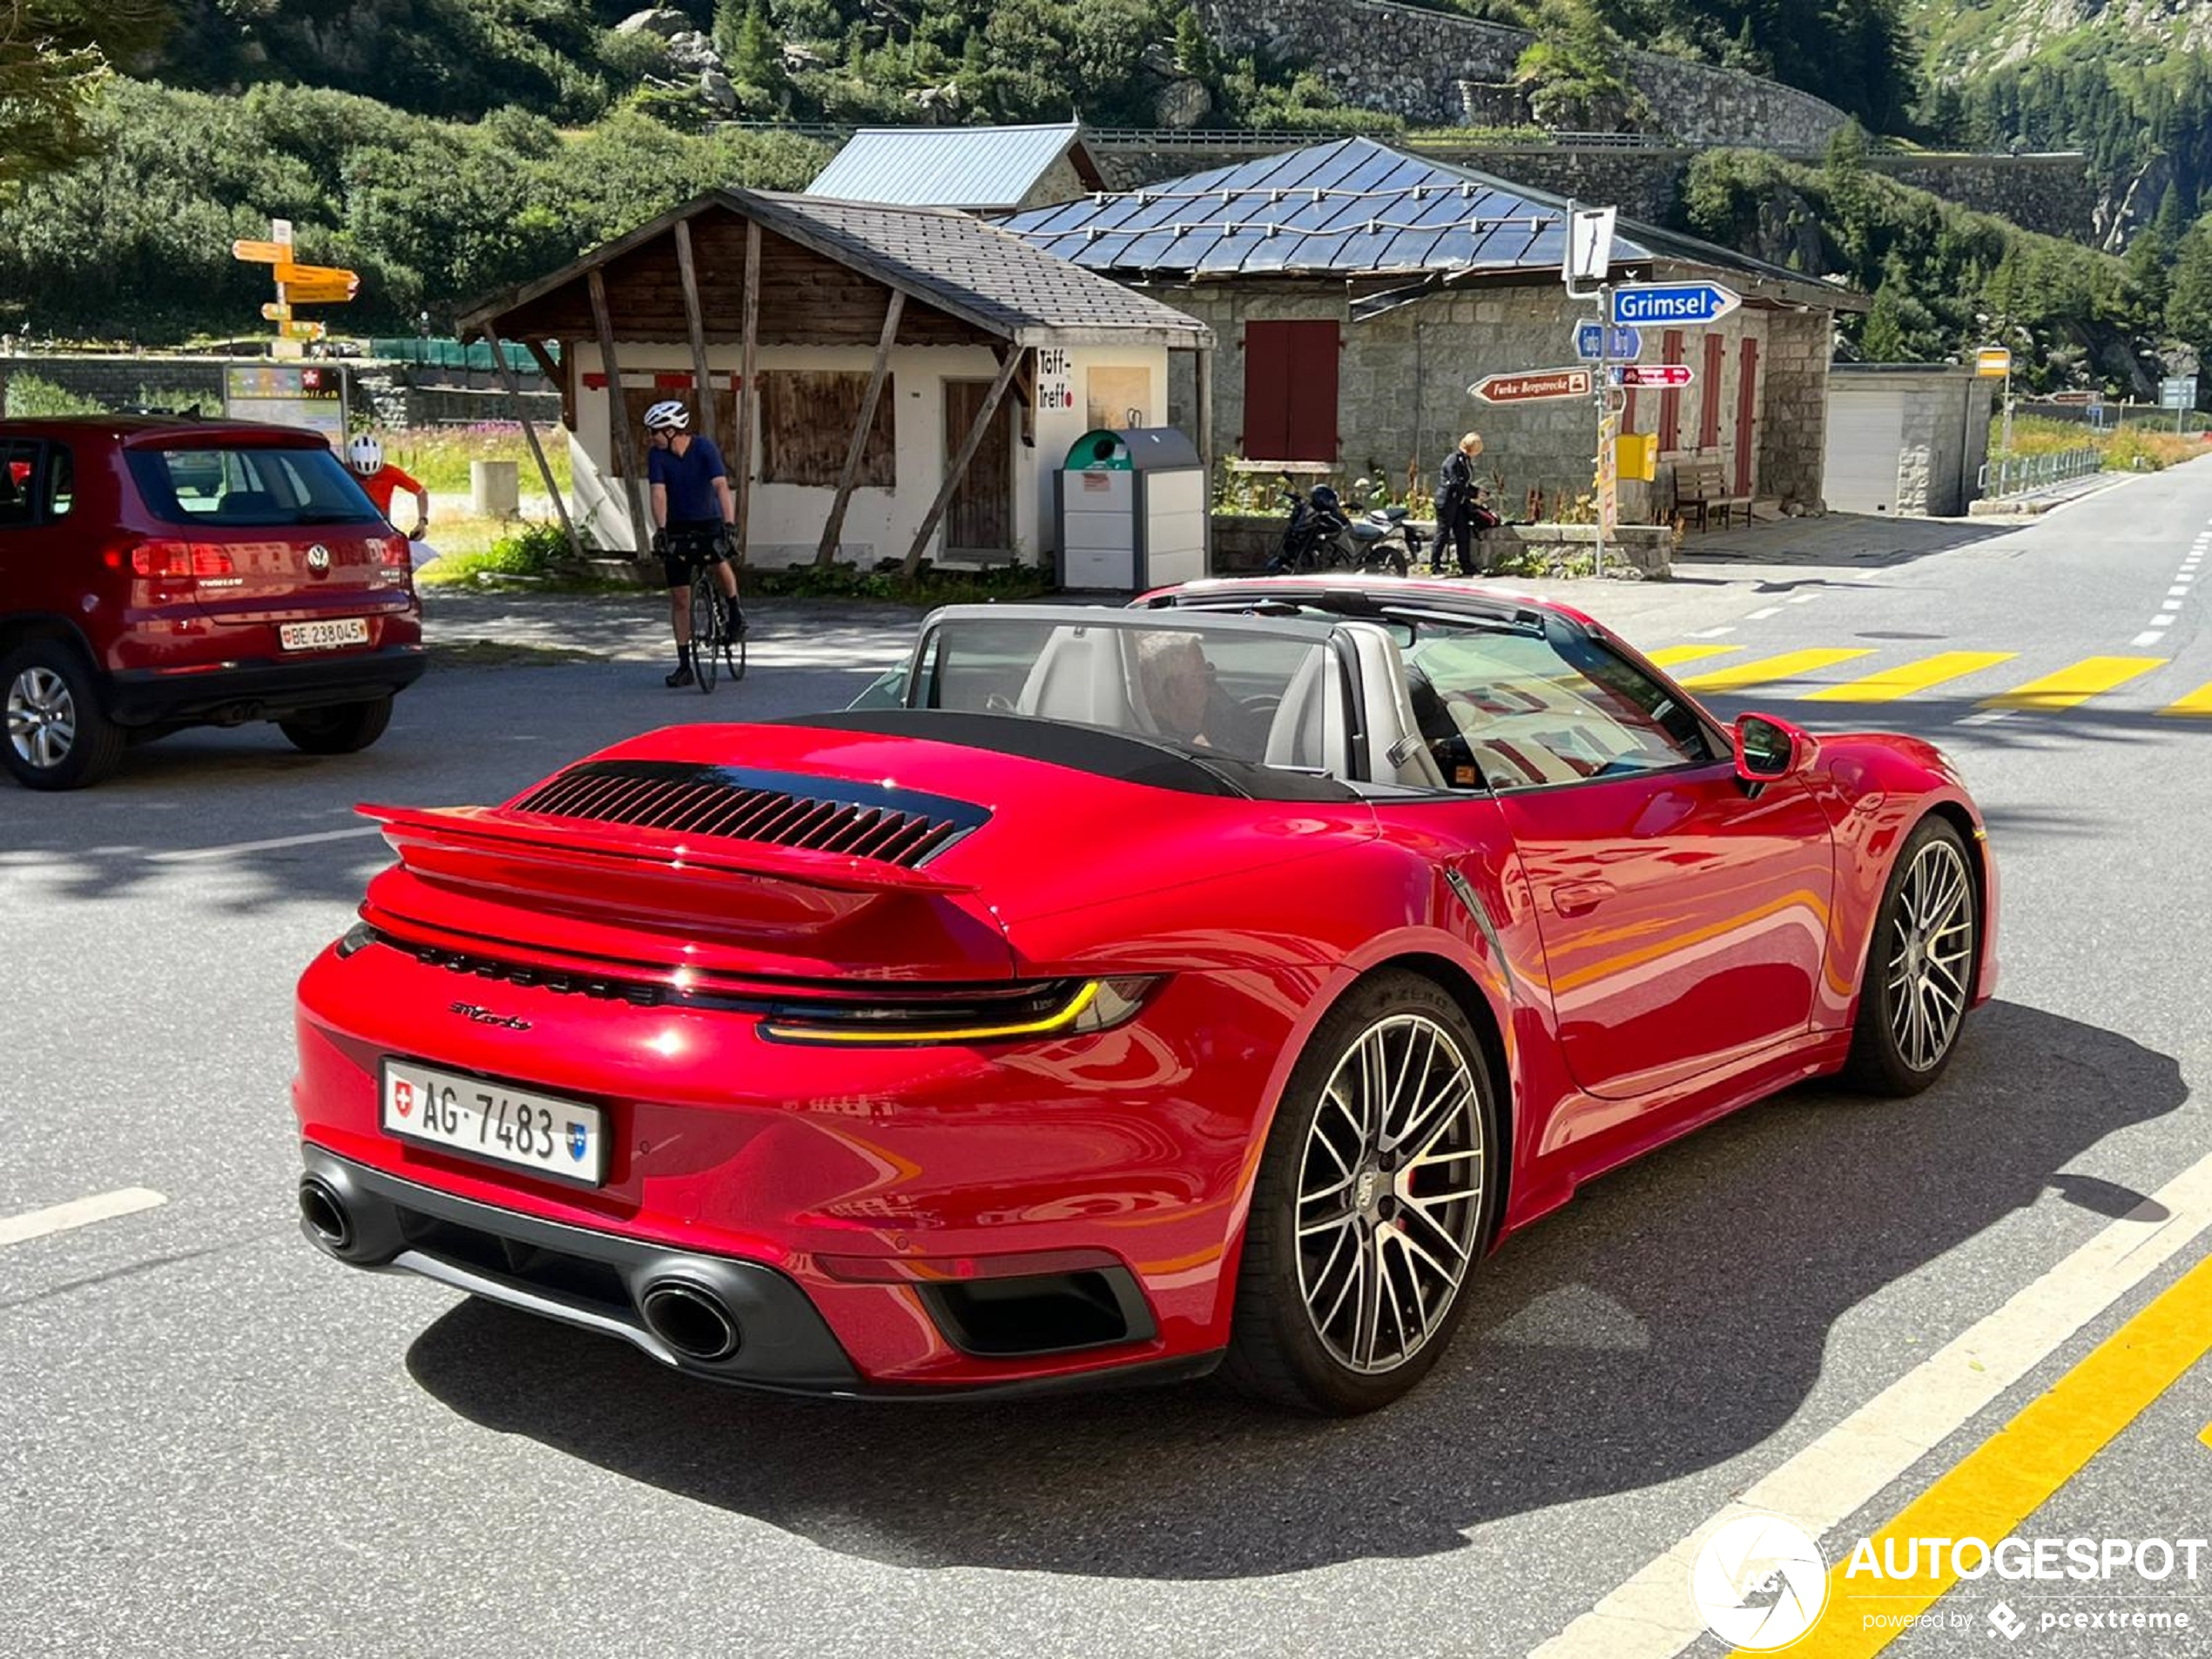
[980, 516]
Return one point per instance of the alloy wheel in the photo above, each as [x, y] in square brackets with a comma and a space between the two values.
[1930, 954]
[1390, 1193]
[42, 717]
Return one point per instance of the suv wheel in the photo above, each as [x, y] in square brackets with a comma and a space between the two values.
[342, 731]
[56, 738]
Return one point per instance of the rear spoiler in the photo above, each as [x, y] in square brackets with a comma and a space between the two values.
[477, 846]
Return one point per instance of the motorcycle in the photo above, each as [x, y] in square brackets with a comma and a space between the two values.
[1321, 535]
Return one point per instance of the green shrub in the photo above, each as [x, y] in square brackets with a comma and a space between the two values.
[888, 581]
[30, 397]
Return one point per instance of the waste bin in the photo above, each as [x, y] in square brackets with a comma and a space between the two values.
[1130, 510]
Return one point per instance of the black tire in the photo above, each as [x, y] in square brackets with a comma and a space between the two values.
[1282, 1351]
[53, 733]
[346, 728]
[734, 648]
[706, 630]
[1890, 1053]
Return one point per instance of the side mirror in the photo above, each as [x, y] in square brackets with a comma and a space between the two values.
[1768, 750]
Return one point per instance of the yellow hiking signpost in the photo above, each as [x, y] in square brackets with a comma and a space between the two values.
[296, 285]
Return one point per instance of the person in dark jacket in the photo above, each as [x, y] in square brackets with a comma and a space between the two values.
[1459, 507]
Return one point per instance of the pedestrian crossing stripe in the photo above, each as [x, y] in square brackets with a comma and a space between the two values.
[1891, 684]
[2075, 683]
[2197, 703]
[1675, 656]
[1792, 664]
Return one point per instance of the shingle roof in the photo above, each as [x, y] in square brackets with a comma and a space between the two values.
[1351, 207]
[972, 269]
[983, 169]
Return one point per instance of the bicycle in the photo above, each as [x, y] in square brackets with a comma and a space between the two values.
[714, 647]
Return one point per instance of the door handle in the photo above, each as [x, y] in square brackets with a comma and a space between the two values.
[1575, 898]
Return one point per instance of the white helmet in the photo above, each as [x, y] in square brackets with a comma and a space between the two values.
[366, 455]
[670, 416]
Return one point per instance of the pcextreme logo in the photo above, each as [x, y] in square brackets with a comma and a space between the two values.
[1759, 1583]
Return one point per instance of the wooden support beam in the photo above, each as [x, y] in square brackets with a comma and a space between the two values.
[1009, 366]
[1205, 441]
[641, 516]
[833, 527]
[562, 374]
[695, 323]
[537, 450]
[748, 396]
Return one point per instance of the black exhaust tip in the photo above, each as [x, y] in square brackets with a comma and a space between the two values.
[325, 1213]
[690, 1320]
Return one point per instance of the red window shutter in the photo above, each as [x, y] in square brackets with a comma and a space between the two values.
[1312, 401]
[1747, 416]
[1671, 401]
[1629, 413]
[1708, 406]
[1267, 391]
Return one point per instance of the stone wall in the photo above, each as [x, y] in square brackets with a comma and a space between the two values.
[1410, 62]
[1944, 435]
[2050, 193]
[1403, 380]
[385, 394]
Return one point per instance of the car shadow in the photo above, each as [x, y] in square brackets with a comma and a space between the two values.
[1676, 1316]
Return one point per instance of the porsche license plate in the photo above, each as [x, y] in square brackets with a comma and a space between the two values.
[502, 1122]
[322, 635]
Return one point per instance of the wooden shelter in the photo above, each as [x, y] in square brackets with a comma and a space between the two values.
[905, 371]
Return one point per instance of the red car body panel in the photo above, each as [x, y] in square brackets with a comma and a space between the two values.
[1718, 961]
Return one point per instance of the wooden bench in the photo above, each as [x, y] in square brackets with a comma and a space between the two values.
[1700, 485]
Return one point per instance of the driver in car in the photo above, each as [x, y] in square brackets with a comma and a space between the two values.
[1187, 702]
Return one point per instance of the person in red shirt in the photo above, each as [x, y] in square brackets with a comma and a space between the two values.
[383, 482]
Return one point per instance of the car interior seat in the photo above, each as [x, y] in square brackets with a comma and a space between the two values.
[1308, 732]
[1080, 676]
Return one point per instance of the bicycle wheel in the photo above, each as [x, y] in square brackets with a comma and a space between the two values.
[707, 631]
[733, 651]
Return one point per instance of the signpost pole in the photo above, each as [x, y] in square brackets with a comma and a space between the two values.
[1604, 392]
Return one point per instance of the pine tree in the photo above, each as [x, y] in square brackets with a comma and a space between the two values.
[1882, 340]
[2188, 312]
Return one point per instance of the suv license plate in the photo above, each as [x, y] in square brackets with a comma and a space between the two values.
[320, 636]
[481, 1118]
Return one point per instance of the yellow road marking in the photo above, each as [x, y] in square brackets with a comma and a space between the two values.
[1893, 682]
[2198, 702]
[2206, 1436]
[2075, 685]
[2014, 1472]
[1790, 666]
[1668, 656]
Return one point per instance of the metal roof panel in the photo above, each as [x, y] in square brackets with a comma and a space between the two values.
[979, 169]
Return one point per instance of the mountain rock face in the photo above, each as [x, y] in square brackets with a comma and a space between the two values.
[1967, 39]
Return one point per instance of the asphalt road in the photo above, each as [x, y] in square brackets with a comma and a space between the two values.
[214, 1441]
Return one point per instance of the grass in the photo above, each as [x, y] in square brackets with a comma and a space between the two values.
[438, 457]
[2121, 448]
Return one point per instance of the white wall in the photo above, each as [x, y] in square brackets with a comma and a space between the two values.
[785, 520]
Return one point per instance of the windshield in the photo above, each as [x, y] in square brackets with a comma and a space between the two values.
[245, 485]
[1273, 697]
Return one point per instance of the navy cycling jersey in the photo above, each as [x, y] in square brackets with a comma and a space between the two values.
[689, 479]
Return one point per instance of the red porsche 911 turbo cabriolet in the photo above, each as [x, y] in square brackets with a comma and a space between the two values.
[1210, 983]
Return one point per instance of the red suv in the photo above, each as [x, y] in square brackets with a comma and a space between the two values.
[157, 573]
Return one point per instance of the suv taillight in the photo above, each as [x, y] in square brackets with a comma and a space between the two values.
[179, 559]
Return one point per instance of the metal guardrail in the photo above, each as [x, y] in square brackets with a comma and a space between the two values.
[2017, 475]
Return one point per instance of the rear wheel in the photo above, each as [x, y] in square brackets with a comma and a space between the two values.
[56, 737]
[345, 730]
[1920, 966]
[1374, 1198]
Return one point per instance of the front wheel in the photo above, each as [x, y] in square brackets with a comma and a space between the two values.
[345, 730]
[57, 737]
[1920, 966]
[706, 630]
[1374, 1198]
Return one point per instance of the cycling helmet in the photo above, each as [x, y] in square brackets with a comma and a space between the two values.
[670, 416]
[366, 456]
[1327, 499]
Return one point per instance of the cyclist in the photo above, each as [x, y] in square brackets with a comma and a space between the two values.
[366, 456]
[692, 511]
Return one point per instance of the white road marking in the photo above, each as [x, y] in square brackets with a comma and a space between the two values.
[1800, 599]
[2170, 606]
[1865, 576]
[2177, 593]
[1651, 1616]
[1761, 616]
[1987, 717]
[78, 1212]
[2151, 637]
[196, 854]
[1713, 633]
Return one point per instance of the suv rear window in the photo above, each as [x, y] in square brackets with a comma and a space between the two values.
[245, 485]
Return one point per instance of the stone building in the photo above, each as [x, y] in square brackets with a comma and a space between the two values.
[1906, 437]
[1356, 291]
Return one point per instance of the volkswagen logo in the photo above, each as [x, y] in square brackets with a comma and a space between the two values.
[318, 558]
